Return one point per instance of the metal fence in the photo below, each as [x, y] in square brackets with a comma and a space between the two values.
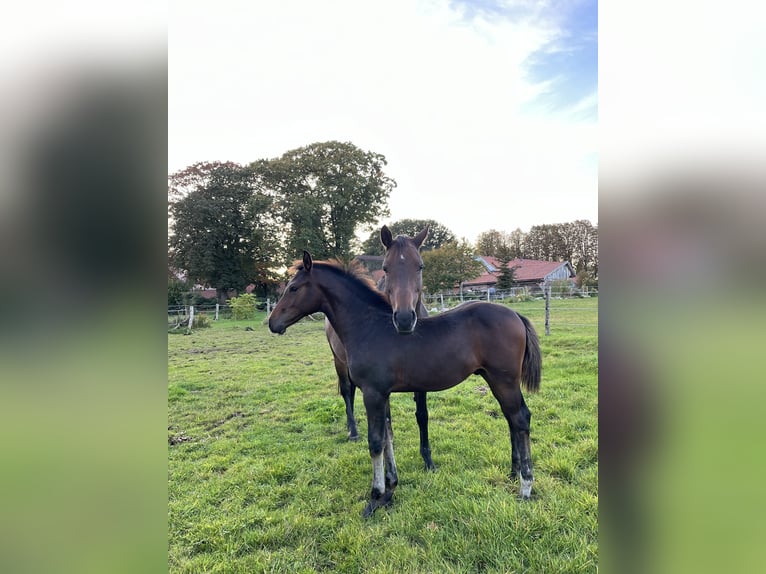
[183, 315]
[447, 300]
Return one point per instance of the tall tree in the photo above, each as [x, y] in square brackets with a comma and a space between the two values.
[544, 242]
[219, 226]
[506, 276]
[438, 235]
[500, 244]
[491, 243]
[323, 192]
[448, 266]
[583, 238]
[516, 241]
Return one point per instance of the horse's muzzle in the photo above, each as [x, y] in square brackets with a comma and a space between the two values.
[405, 322]
[277, 327]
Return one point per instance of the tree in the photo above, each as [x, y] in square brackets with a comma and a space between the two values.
[448, 266]
[584, 247]
[176, 289]
[506, 277]
[491, 243]
[545, 242]
[500, 244]
[592, 250]
[322, 193]
[438, 235]
[516, 241]
[220, 229]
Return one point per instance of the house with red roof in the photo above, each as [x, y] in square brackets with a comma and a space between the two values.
[527, 273]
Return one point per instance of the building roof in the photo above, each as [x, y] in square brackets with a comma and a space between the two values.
[527, 270]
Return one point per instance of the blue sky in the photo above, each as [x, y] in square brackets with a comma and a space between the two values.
[486, 111]
[570, 63]
[567, 64]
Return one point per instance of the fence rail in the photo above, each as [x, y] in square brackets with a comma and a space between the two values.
[179, 315]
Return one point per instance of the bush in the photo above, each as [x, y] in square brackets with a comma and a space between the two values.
[586, 279]
[176, 290]
[561, 287]
[196, 299]
[243, 307]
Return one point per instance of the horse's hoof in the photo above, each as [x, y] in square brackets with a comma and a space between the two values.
[526, 489]
[353, 438]
[374, 504]
[430, 467]
[370, 509]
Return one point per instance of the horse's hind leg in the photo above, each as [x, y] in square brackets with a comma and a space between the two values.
[421, 414]
[392, 477]
[347, 391]
[518, 416]
[516, 448]
[524, 417]
[515, 455]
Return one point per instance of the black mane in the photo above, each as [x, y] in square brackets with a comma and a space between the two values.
[362, 284]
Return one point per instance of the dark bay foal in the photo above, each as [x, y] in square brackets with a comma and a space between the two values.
[403, 285]
[476, 338]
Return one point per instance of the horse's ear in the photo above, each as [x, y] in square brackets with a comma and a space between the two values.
[421, 237]
[307, 262]
[385, 237]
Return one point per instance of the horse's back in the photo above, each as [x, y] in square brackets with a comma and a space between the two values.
[491, 316]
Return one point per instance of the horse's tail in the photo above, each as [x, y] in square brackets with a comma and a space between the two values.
[531, 367]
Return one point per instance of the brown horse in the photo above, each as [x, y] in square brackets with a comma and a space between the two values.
[476, 338]
[403, 285]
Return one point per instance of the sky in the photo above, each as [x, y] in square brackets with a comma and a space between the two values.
[486, 111]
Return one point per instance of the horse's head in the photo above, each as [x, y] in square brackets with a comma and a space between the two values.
[300, 298]
[403, 267]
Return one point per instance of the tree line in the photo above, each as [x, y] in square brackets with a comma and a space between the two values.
[575, 241]
[232, 225]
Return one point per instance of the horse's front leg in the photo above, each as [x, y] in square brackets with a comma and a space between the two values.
[375, 404]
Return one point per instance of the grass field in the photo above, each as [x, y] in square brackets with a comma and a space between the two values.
[261, 477]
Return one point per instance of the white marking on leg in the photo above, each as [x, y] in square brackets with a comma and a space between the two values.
[526, 487]
[401, 256]
[378, 473]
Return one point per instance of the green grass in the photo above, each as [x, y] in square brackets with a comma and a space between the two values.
[261, 477]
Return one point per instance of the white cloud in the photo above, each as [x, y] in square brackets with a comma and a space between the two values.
[439, 96]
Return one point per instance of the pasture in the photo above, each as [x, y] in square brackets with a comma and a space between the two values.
[261, 476]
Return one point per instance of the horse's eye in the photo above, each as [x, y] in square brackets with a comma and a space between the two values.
[293, 288]
[421, 267]
[385, 269]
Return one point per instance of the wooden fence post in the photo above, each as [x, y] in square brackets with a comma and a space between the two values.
[216, 311]
[191, 317]
[268, 306]
[547, 309]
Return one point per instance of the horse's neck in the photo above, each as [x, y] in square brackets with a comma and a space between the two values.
[344, 307]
